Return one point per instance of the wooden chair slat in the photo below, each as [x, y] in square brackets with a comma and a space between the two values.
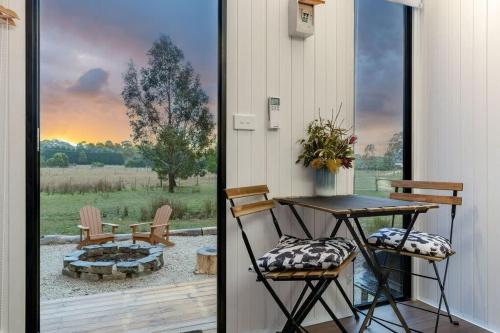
[252, 208]
[406, 253]
[315, 274]
[241, 192]
[299, 275]
[159, 234]
[428, 185]
[437, 199]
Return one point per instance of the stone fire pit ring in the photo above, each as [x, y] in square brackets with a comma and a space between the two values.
[113, 262]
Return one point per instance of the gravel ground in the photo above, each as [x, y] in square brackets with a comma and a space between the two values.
[180, 262]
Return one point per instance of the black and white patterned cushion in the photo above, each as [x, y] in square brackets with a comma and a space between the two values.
[296, 253]
[417, 242]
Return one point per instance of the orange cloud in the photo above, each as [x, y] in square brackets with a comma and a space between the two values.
[75, 117]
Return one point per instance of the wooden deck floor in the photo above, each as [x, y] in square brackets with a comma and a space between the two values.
[189, 307]
[416, 319]
[175, 308]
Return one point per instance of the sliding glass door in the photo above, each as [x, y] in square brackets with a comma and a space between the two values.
[129, 106]
[382, 114]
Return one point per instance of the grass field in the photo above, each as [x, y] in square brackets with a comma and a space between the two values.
[375, 183]
[61, 201]
[60, 211]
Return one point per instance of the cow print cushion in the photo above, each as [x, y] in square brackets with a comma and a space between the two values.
[417, 242]
[296, 253]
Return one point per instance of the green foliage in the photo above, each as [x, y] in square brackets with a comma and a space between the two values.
[392, 158]
[68, 187]
[60, 212]
[97, 165]
[168, 112]
[327, 145]
[179, 208]
[107, 153]
[59, 160]
[211, 161]
[136, 162]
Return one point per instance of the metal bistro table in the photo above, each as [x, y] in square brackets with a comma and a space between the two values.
[348, 209]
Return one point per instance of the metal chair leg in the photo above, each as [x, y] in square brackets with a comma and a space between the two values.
[346, 298]
[364, 325]
[306, 307]
[442, 295]
[330, 312]
[290, 319]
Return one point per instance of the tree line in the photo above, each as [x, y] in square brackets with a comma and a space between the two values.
[61, 154]
[391, 159]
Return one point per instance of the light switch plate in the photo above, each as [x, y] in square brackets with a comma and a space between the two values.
[244, 122]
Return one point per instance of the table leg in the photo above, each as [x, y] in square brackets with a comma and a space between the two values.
[301, 222]
[372, 262]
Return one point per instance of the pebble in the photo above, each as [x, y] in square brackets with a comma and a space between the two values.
[180, 263]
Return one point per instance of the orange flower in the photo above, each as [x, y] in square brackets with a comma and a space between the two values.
[316, 163]
[333, 165]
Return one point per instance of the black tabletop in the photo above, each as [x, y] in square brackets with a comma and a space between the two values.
[356, 204]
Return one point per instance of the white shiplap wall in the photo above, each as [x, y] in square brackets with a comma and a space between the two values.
[457, 138]
[316, 73]
[12, 175]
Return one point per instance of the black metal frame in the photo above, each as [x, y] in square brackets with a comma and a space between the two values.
[407, 138]
[302, 307]
[32, 299]
[371, 259]
[441, 281]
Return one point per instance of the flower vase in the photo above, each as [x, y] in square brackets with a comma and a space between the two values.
[325, 183]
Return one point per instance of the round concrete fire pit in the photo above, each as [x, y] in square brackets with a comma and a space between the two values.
[112, 262]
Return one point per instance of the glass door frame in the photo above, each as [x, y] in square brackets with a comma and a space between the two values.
[407, 142]
[32, 298]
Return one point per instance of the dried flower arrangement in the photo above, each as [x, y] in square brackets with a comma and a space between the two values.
[327, 145]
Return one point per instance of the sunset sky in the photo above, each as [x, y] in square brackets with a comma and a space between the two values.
[86, 45]
[379, 72]
[85, 48]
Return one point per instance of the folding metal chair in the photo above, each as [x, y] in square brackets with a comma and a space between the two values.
[323, 278]
[432, 248]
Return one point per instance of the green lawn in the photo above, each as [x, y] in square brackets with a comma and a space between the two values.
[375, 183]
[60, 212]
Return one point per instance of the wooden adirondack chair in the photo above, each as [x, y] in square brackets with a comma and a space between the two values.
[91, 225]
[159, 228]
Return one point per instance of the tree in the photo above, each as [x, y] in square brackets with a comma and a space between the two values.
[394, 151]
[212, 161]
[82, 157]
[59, 160]
[168, 110]
[369, 151]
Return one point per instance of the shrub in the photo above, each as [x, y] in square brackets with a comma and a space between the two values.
[179, 209]
[59, 160]
[209, 209]
[124, 212]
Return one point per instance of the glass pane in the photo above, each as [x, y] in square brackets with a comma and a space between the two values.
[379, 120]
[128, 137]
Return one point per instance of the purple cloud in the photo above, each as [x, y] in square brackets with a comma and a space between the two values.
[91, 82]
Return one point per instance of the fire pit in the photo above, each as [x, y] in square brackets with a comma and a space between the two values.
[112, 262]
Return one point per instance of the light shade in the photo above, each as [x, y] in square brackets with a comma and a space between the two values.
[411, 3]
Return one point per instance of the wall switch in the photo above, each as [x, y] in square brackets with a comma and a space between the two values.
[244, 122]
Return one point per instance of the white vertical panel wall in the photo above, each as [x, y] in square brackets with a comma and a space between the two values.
[457, 138]
[308, 75]
[12, 175]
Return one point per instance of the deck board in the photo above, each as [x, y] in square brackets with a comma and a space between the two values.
[177, 308]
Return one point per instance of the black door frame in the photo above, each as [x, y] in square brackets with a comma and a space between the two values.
[32, 319]
[407, 141]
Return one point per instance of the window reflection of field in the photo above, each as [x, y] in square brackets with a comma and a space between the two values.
[124, 195]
